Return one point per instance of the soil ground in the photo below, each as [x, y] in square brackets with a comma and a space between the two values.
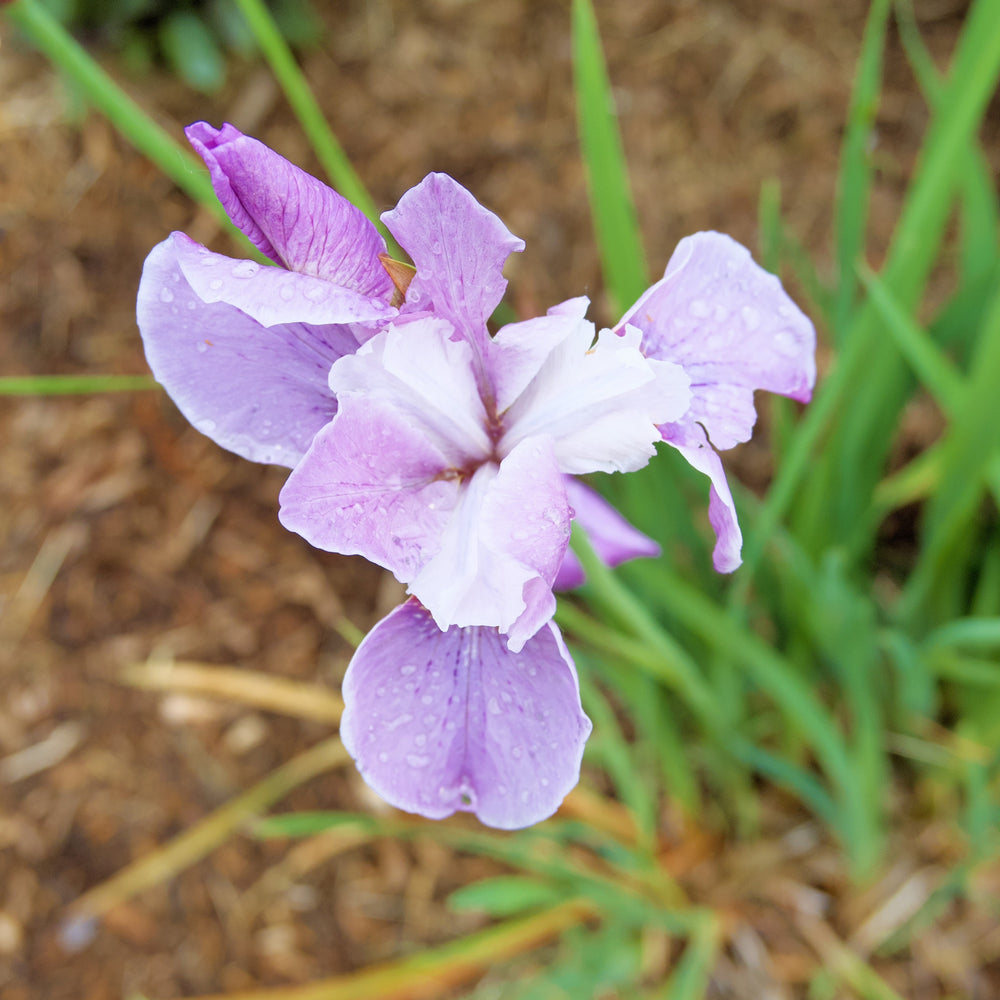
[128, 537]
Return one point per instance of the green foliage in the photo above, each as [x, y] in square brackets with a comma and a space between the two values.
[193, 37]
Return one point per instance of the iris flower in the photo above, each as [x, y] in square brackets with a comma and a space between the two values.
[448, 455]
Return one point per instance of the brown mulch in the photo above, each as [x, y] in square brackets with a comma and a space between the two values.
[128, 536]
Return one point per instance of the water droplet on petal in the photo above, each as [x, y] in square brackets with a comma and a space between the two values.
[407, 669]
[420, 739]
[205, 426]
[287, 291]
[417, 760]
[384, 757]
[698, 308]
[245, 269]
[215, 284]
[493, 707]
[201, 347]
[427, 699]
[166, 295]
[750, 317]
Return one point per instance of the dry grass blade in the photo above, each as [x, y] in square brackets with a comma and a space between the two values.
[435, 972]
[843, 962]
[196, 842]
[248, 687]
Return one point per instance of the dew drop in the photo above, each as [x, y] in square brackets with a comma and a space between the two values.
[525, 795]
[407, 669]
[545, 782]
[429, 720]
[166, 295]
[245, 269]
[784, 343]
[517, 753]
[417, 760]
[287, 291]
[215, 284]
[192, 305]
[420, 740]
[493, 707]
[698, 308]
[205, 426]
[384, 757]
[750, 317]
[427, 699]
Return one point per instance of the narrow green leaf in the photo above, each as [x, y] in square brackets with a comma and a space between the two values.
[855, 179]
[67, 385]
[506, 895]
[611, 204]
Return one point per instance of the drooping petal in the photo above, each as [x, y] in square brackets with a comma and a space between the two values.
[289, 215]
[440, 722]
[459, 249]
[421, 372]
[613, 538]
[690, 440]
[502, 547]
[260, 392]
[371, 484]
[600, 404]
[733, 329]
[272, 295]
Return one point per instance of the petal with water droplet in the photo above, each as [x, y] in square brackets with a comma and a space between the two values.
[510, 761]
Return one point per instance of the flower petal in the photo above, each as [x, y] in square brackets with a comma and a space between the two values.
[520, 349]
[260, 392]
[445, 721]
[459, 249]
[420, 371]
[691, 441]
[272, 295]
[289, 215]
[502, 547]
[371, 485]
[614, 539]
[733, 329]
[599, 403]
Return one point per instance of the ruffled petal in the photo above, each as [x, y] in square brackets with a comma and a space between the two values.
[502, 547]
[372, 484]
[733, 329]
[614, 539]
[260, 392]
[440, 722]
[459, 249]
[289, 215]
[272, 295]
[520, 349]
[417, 369]
[690, 440]
[600, 404]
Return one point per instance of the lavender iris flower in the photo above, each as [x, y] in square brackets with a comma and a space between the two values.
[448, 455]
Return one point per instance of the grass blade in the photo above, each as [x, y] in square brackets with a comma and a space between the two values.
[855, 179]
[611, 204]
